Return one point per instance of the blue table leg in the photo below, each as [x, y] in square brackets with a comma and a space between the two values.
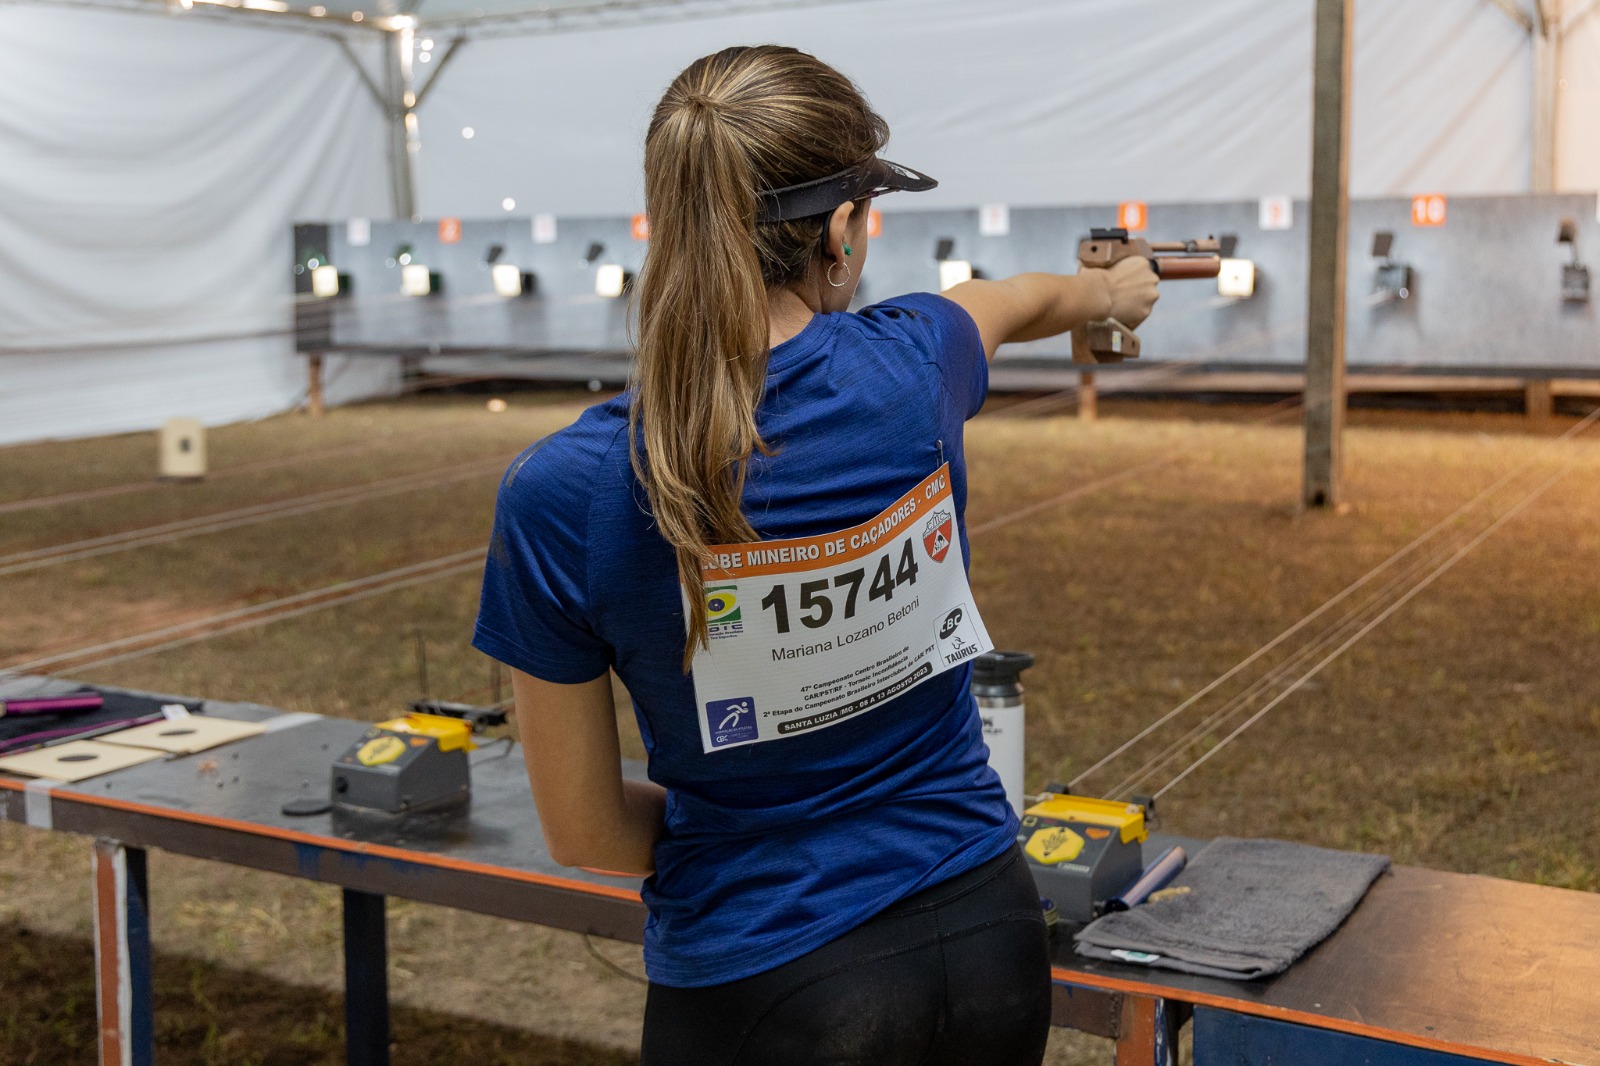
[122, 955]
[366, 980]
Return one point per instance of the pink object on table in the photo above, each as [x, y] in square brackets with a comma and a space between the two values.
[75, 701]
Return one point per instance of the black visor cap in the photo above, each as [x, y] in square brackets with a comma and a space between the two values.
[872, 178]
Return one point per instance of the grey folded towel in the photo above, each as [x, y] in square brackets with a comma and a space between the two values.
[1253, 907]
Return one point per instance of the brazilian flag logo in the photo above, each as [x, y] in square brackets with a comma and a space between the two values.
[722, 605]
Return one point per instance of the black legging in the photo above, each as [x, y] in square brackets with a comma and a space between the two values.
[956, 975]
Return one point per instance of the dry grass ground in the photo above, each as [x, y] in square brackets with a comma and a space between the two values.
[1461, 734]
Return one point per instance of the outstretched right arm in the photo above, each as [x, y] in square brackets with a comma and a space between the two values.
[1029, 307]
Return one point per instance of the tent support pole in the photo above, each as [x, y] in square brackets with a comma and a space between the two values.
[402, 123]
[1546, 34]
[1330, 210]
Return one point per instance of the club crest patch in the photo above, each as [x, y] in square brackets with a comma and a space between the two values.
[937, 534]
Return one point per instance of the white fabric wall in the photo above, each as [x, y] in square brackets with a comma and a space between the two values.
[151, 170]
[1018, 101]
[150, 166]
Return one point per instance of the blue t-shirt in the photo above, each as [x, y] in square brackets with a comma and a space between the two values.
[771, 850]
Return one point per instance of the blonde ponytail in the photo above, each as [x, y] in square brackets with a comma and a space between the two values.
[733, 123]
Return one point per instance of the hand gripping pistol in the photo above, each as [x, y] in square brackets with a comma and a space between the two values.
[1109, 341]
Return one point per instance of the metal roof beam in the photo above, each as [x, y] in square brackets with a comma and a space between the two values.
[560, 18]
[1515, 13]
[366, 79]
[1583, 11]
[291, 21]
[438, 69]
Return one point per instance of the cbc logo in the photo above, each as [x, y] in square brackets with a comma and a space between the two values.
[951, 621]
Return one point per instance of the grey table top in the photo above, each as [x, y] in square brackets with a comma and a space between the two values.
[1465, 964]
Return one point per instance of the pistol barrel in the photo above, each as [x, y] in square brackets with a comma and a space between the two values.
[1185, 267]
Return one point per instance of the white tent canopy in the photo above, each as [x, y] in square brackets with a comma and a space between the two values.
[157, 152]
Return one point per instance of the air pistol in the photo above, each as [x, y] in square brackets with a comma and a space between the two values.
[1107, 340]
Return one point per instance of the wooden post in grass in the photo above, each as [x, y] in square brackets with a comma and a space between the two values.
[1088, 399]
[1538, 398]
[1330, 210]
[314, 398]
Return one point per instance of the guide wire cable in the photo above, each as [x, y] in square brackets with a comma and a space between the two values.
[1327, 605]
[1433, 575]
[1332, 602]
[1325, 637]
[147, 484]
[299, 604]
[232, 621]
[1381, 601]
[1027, 511]
[1321, 641]
[168, 532]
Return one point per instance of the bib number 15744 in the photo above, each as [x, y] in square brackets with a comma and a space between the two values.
[819, 599]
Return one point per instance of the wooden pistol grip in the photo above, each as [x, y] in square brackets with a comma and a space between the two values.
[1101, 254]
[1104, 341]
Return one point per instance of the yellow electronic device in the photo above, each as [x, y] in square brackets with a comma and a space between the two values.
[406, 765]
[1082, 851]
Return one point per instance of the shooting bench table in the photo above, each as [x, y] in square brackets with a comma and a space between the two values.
[1433, 968]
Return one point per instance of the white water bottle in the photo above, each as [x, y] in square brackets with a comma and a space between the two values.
[997, 686]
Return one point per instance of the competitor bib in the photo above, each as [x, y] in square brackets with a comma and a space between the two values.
[810, 631]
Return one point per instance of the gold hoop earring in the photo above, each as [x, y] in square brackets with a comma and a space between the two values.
[839, 284]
